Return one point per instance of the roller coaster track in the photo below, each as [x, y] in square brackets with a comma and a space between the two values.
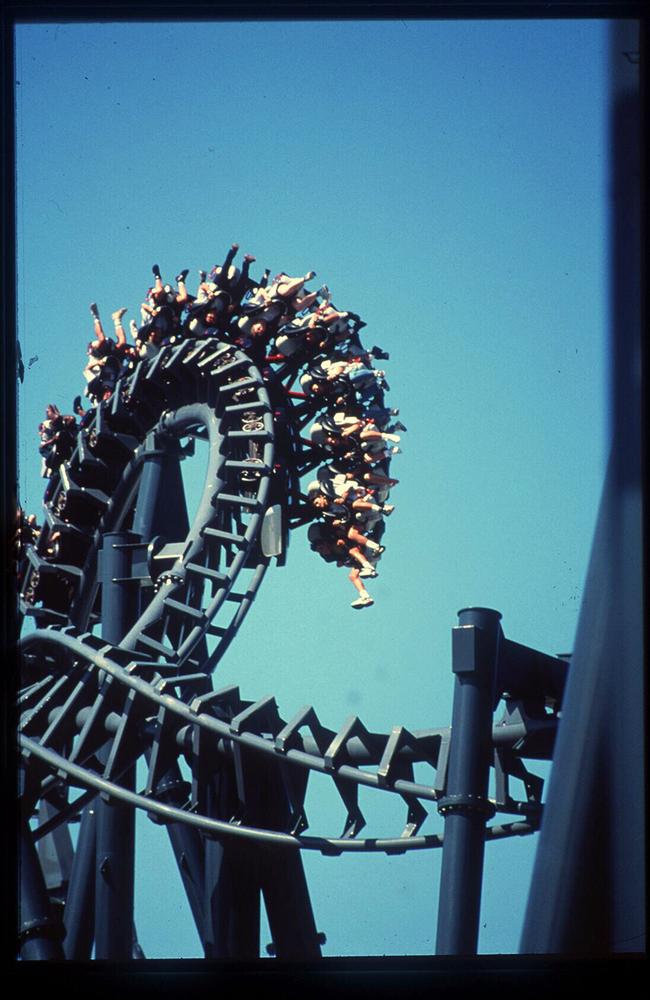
[90, 709]
[94, 493]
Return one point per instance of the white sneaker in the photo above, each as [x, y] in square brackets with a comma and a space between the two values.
[362, 602]
[368, 571]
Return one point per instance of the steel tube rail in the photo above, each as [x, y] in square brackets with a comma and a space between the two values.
[213, 827]
[354, 748]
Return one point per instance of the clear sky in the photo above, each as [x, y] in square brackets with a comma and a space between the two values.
[448, 181]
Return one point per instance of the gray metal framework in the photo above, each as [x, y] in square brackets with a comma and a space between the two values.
[227, 776]
[92, 706]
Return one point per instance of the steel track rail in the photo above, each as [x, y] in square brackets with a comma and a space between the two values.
[225, 529]
[87, 700]
[218, 828]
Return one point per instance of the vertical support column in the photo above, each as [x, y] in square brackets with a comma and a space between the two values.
[232, 900]
[288, 906]
[79, 913]
[115, 861]
[231, 923]
[38, 931]
[118, 594]
[465, 806]
[161, 510]
[186, 843]
[283, 879]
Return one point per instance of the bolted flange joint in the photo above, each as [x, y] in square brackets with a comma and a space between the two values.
[466, 805]
[167, 578]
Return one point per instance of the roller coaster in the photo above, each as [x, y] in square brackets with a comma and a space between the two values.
[134, 605]
[134, 608]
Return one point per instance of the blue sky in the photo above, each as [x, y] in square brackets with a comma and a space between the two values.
[448, 181]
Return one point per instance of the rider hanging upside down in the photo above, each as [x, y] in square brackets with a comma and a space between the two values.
[348, 541]
[309, 333]
[57, 434]
[105, 357]
[344, 552]
[230, 279]
[278, 321]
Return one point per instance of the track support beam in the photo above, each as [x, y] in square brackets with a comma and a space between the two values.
[288, 906]
[465, 805]
[115, 847]
[79, 914]
[39, 937]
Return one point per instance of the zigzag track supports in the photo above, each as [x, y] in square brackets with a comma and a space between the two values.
[220, 724]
